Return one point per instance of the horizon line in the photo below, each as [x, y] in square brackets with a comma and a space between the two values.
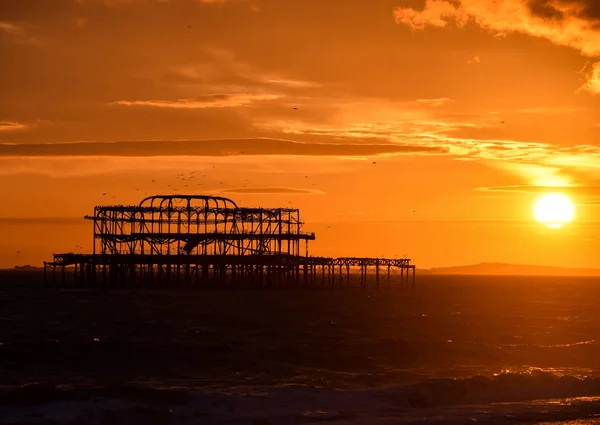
[319, 221]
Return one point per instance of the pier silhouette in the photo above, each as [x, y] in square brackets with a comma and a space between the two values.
[199, 241]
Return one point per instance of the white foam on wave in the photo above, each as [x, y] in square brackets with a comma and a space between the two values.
[501, 399]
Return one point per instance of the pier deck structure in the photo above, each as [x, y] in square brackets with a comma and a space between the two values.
[200, 241]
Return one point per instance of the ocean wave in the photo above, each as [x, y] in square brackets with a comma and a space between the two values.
[502, 387]
[292, 404]
[565, 345]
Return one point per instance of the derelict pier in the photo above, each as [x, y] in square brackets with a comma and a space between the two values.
[209, 242]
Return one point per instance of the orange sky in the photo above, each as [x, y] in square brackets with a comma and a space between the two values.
[107, 95]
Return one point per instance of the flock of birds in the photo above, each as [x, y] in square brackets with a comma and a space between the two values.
[188, 179]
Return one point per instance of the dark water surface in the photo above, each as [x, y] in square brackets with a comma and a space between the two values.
[439, 346]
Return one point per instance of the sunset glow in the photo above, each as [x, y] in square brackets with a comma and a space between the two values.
[554, 210]
[389, 124]
[300, 211]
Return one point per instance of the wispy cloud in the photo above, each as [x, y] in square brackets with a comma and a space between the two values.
[458, 135]
[571, 23]
[435, 102]
[373, 119]
[11, 126]
[10, 28]
[291, 83]
[587, 190]
[581, 194]
[208, 101]
[593, 79]
[16, 33]
[221, 67]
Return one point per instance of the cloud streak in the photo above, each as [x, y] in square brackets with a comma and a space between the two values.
[457, 135]
[434, 102]
[291, 83]
[221, 67]
[582, 194]
[208, 101]
[10, 28]
[11, 126]
[17, 34]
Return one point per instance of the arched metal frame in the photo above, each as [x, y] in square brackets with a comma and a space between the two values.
[197, 225]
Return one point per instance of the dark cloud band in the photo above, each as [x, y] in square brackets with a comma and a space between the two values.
[229, 147]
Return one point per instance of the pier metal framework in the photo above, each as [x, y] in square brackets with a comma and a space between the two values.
[208, 241]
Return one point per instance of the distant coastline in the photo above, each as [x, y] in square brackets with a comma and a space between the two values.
[505, 269]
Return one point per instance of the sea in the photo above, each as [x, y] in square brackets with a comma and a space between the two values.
[456, 350]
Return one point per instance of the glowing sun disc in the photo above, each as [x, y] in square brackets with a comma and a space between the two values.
[554, 210]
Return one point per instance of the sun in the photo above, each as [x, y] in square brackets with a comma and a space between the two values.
[554, 210]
